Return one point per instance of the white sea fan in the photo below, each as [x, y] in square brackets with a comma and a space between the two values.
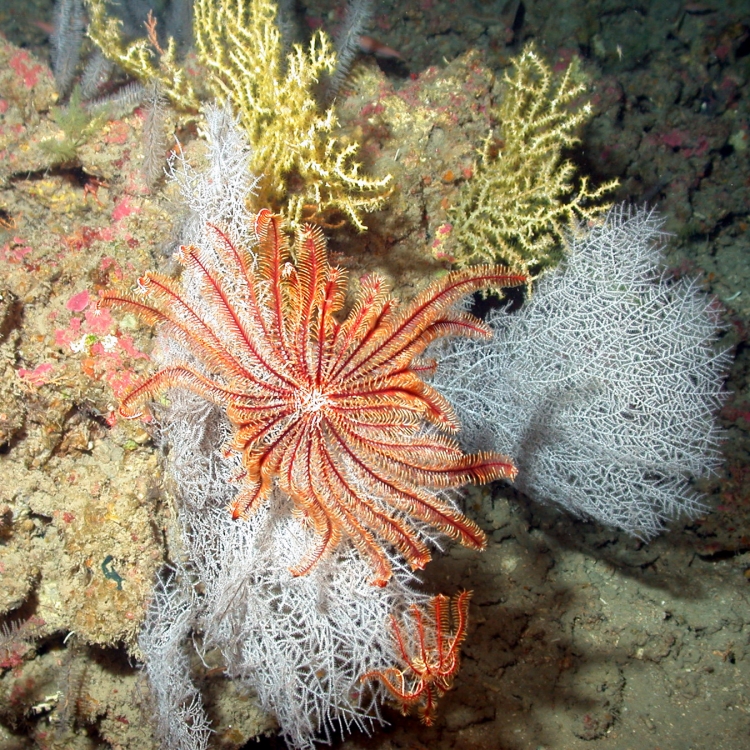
[301, 644]
[604, 387]
[217, 194]
[181, 722]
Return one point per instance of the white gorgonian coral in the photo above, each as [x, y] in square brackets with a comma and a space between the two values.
[604, 387]
[301, 644]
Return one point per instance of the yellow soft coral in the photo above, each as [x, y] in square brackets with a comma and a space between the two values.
[521, 201]
[143, 58]
[240, 45]
[306, 169]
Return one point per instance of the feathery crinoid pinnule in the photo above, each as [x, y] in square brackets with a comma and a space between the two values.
[334, 411]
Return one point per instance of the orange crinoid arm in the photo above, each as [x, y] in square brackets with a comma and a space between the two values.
[334, 411]
[429, 655]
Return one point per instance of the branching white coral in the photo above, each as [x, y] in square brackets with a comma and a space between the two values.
[164, 640]
[604, 387]
[218, 193]
[302, 643]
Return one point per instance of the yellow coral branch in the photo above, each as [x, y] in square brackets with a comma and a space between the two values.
[138, 57]
[521, 202]
[293, 144]
[239, 43]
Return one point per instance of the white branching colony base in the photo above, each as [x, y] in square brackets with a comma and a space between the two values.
[301, 644]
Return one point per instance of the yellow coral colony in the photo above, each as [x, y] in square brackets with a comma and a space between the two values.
[238, 43]
[520, 202]
[137, 57]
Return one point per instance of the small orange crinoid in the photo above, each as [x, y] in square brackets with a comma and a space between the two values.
[333, 411]
[431, 660]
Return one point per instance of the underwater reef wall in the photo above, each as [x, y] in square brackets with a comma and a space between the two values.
[564, 615]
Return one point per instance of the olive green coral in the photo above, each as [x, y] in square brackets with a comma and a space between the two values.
[293, 142]
[521, 201]
[76, 125]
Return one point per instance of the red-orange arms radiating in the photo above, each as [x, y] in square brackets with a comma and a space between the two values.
[335, 411]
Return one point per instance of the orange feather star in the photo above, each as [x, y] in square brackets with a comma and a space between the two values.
[333, 411]
[432, 660]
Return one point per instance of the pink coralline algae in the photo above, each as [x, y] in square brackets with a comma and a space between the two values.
[78, 302]
[687, 145]
[27, 70]
[438, 245]
[38, 376]
[15, 251]
[118, 133]
[123, 209]
[105, 354]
